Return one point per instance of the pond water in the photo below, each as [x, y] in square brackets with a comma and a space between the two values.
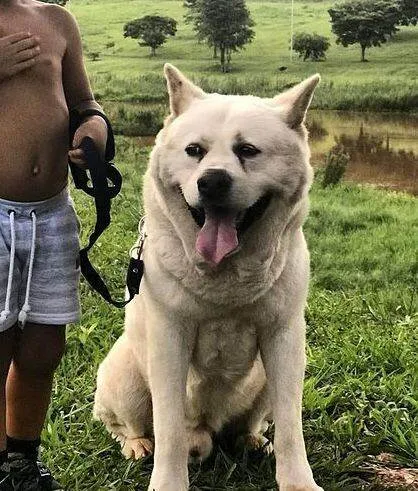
[383, 147]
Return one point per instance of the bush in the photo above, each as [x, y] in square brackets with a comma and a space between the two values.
[134, 120]
[310, 46]
[147, 122]
[93, 56]
[335, 166]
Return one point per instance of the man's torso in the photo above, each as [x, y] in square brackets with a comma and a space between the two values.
[34, 113]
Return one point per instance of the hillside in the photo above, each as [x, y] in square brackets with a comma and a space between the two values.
[125, 71]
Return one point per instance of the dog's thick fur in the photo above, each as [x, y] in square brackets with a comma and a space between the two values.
[217, 333]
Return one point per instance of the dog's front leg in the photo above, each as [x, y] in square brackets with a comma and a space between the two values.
[168, 361]
[283, 355]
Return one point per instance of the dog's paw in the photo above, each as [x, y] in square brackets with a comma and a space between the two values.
[167, 485]
[200, 445]
[137, 448]
[254, 443]
[309, 485]
[295, 474]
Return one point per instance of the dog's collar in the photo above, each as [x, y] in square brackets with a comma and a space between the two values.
[252, 214]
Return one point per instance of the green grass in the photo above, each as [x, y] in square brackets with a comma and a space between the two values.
[126, 72]
[362, 342]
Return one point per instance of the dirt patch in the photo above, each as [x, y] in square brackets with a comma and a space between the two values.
[387, 474]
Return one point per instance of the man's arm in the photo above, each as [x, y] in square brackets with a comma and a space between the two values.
[78, 93]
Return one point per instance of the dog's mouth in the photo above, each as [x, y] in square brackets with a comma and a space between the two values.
[221, 228]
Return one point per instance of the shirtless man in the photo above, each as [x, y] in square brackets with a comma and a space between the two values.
[42, 77]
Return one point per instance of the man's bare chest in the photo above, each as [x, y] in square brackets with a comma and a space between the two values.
[52, 43]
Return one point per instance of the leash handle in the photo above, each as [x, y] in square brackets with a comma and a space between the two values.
[112, 183]
[103, 193]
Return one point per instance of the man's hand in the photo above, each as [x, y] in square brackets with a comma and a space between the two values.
[96, 128]
[17, 53]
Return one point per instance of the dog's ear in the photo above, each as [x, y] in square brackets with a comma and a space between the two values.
[295, 102]
[181, 90]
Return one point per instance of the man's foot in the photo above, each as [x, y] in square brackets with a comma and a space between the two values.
[30, 475]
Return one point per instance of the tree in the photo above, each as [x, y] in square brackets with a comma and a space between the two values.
[194, 17]
[225, 25]
[153, 30]
[408, 12]
[366, 22]
[193, 13]
[310, 46]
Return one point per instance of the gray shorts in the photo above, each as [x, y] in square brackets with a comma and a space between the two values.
[39, 271]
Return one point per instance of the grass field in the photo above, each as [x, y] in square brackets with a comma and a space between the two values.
[126, 72]
[359, 398]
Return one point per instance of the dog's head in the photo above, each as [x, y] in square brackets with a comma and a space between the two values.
[228, 155]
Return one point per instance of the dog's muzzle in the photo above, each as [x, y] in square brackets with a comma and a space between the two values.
[221, 224]
[214, 188]
[221, 228]
[246, 219]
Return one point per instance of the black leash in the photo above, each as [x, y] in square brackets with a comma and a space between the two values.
[106, 183]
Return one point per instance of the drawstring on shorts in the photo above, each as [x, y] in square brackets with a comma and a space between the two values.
[23, 314]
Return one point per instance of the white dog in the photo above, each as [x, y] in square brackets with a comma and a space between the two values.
[217, 333]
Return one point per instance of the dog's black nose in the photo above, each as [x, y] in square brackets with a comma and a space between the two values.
[214, 185]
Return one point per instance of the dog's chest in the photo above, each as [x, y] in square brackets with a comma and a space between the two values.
[224, 348]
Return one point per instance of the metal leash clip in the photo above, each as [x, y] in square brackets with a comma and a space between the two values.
[136, 250]
[136, 264]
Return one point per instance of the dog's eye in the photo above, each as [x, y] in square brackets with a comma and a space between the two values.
[195, 150]
[246, 150]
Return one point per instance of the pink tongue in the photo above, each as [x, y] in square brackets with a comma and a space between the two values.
[217, 238]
